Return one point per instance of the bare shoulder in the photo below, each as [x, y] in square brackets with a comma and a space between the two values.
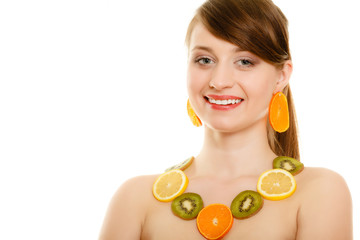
[324, 184]
[325, 205]
[322, 180]
[136, 191]
[128, 208]
[137, 185]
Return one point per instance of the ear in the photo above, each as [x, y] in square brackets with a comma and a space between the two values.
[284, 77]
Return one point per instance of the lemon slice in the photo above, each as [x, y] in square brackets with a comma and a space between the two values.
[276, 184]
[169, 185]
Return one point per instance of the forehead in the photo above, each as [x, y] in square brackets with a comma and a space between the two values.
[200, 36]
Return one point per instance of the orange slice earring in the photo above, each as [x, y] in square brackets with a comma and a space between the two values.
[279, 112]
[193, 117]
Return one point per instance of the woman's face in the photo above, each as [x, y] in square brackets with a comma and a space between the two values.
[230, 89]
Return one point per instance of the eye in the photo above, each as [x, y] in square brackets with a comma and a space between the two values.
[244, 62]
[204, 61]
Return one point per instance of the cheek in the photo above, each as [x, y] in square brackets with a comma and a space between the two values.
[265, 90]
[260, 89]
[196, 80]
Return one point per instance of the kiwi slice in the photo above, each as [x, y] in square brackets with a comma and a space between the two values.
[289, 164]
[187, 206]
[183, 165]
[246, 204]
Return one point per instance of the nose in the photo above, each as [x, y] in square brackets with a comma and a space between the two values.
[221, 77]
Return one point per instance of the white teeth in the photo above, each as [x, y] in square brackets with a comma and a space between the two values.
[224, 102]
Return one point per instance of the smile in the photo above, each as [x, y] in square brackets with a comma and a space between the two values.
[223, 102]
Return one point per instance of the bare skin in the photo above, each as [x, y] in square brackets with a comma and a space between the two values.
[135, 214]
[234, 154]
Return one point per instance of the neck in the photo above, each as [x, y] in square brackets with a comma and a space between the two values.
[229, 155]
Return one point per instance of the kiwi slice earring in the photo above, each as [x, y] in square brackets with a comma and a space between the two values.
[279, 112]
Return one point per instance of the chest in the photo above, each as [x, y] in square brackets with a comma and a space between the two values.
[276, 220]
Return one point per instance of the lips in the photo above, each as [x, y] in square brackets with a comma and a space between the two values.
[223, 102]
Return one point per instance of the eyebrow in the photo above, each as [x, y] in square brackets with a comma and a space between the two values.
[202, 48]
[235, 50]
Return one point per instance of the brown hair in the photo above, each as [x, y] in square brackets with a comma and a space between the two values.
[257, 26]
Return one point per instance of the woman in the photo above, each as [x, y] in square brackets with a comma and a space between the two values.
[238, 60]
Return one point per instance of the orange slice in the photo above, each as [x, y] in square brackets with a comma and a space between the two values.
[276, 184]
[214, 221]
[193, 117]
[279, 112]
[169, 185]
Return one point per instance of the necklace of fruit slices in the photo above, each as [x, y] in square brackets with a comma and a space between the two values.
[215, 220]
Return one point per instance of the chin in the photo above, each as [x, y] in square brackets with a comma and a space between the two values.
[225, 127]
[228, 126]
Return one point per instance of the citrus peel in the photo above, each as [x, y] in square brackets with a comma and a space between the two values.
[276, 184]
[169, 185]
[214, 221]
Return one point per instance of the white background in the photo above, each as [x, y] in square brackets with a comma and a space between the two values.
[93, 92]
